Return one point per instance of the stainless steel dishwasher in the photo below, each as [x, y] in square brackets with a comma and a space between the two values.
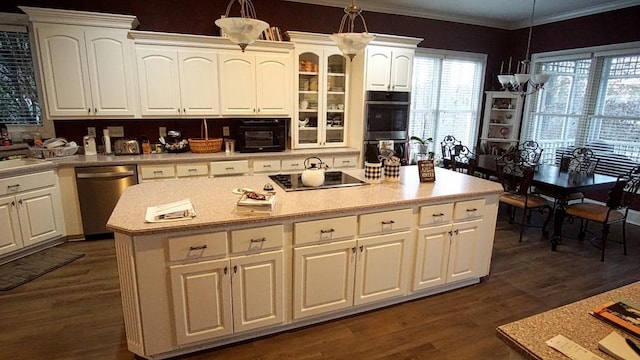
[99, 188]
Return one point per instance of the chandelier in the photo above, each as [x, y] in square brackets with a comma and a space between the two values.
[521, 82]
[243, 30]
[349, 42]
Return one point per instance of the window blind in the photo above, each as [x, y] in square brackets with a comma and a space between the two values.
[18, 94]
[445, 96]
[592, 100]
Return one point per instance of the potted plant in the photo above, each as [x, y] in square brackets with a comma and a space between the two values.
[423, 146]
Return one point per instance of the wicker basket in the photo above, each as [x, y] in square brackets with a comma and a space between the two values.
[205, 145]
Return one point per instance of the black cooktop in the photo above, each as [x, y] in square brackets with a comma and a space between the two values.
[332, 179]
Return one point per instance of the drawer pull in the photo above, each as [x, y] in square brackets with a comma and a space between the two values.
[327, 231]
[438, 215]
[472, 210]
[229, 168]
[388, 222]
[258, 240]
[266, 166]
[345, 161]
[295, 164]
[193, 170]
[157, 172]
[13, 188]
[194, 248]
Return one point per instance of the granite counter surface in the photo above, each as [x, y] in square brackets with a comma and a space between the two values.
[105, 160]
[215, 203]
[529, 335]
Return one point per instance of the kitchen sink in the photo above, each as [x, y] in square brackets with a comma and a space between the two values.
[19, 163]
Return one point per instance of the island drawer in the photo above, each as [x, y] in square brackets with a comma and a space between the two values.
[292, 164]
[385, 222]
[345, 161]
[157, 172]
[192, 169]
[266, 166]
[27, 182]
[237, 167]
[260, 238]
[190, 247]
[468, 209]
[325, 230]
[436, 214]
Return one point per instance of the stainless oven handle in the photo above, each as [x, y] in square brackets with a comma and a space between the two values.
[105, 175]
[387, 103]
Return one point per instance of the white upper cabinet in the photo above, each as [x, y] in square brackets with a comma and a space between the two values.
[388, 68]
[177, 82]
[87, 72]
[255, 84]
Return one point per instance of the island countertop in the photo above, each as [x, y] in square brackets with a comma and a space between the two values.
[214, 201]
[573, 321]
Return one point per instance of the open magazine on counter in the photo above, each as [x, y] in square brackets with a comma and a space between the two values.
[179, 210]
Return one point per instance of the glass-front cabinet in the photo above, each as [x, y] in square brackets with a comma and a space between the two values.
[322, 82]
[501, 122]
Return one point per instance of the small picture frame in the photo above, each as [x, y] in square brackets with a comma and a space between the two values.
[426, 170]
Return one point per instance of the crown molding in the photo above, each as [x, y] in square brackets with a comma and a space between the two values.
[83, 18]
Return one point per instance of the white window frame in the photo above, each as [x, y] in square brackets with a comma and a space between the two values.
[454, 55]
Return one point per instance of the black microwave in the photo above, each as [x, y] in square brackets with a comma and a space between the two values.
[262, 135]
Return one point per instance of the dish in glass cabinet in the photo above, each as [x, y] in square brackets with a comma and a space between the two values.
[504, 132]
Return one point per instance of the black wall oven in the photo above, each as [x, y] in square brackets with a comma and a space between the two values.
[262, 135]
[386, 115]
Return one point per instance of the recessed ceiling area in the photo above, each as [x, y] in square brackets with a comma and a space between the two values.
[506, 14]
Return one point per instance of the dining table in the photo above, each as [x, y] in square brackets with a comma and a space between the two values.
[552, 180]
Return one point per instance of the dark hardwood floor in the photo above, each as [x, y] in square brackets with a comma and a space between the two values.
[75, 313]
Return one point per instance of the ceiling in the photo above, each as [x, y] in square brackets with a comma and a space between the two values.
[506, 14]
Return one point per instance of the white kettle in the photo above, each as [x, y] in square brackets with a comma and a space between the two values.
[313, 174]
[89, 142]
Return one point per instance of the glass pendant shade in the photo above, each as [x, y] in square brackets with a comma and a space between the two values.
[243, 30]
[350, 42]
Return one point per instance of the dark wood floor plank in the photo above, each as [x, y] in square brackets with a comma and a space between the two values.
[75, 312]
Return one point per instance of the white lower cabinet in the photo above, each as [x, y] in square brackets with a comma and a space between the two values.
[338, 275]
[448, 251]
[29, 216]
[217, 297]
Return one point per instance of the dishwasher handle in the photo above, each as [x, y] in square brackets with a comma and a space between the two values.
[115, 174]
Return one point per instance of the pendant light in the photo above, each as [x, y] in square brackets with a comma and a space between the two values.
[243, 30]
[521, 82]
[349, 42]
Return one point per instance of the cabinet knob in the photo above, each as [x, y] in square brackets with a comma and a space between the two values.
[361, 248]
[20, 201]
[353, 249]
[13, 203]
[184, 110]
[235, 269]
[89, 110]
[225, 270]
[95, 110]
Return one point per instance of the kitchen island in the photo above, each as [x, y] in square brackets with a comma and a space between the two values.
[223, 277]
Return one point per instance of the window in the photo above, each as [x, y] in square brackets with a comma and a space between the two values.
[592, 100]
[446, 95]
[18, 95]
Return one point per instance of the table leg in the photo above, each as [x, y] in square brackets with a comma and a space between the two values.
[558, 220]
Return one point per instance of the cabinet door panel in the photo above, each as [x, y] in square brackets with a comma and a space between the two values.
[323, 278]
[380, 269]
[11, 237]
[273, 84]
[378, 68]
[401, 70]
[199, 82]
[202, 300]
[257, 291]
[110, 72]
[464, 251]
[40, 217]
[237, 81]
[159, 84]
[64, 67]
[432, 255]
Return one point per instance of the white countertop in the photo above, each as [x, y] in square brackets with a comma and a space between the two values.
[215, 203]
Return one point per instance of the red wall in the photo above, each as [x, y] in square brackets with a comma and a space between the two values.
[198, 16]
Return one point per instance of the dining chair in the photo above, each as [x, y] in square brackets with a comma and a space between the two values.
[450, 146]
[463, 160]
[613, 212]
[531, 152]
[579, 160]
[516, 177]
